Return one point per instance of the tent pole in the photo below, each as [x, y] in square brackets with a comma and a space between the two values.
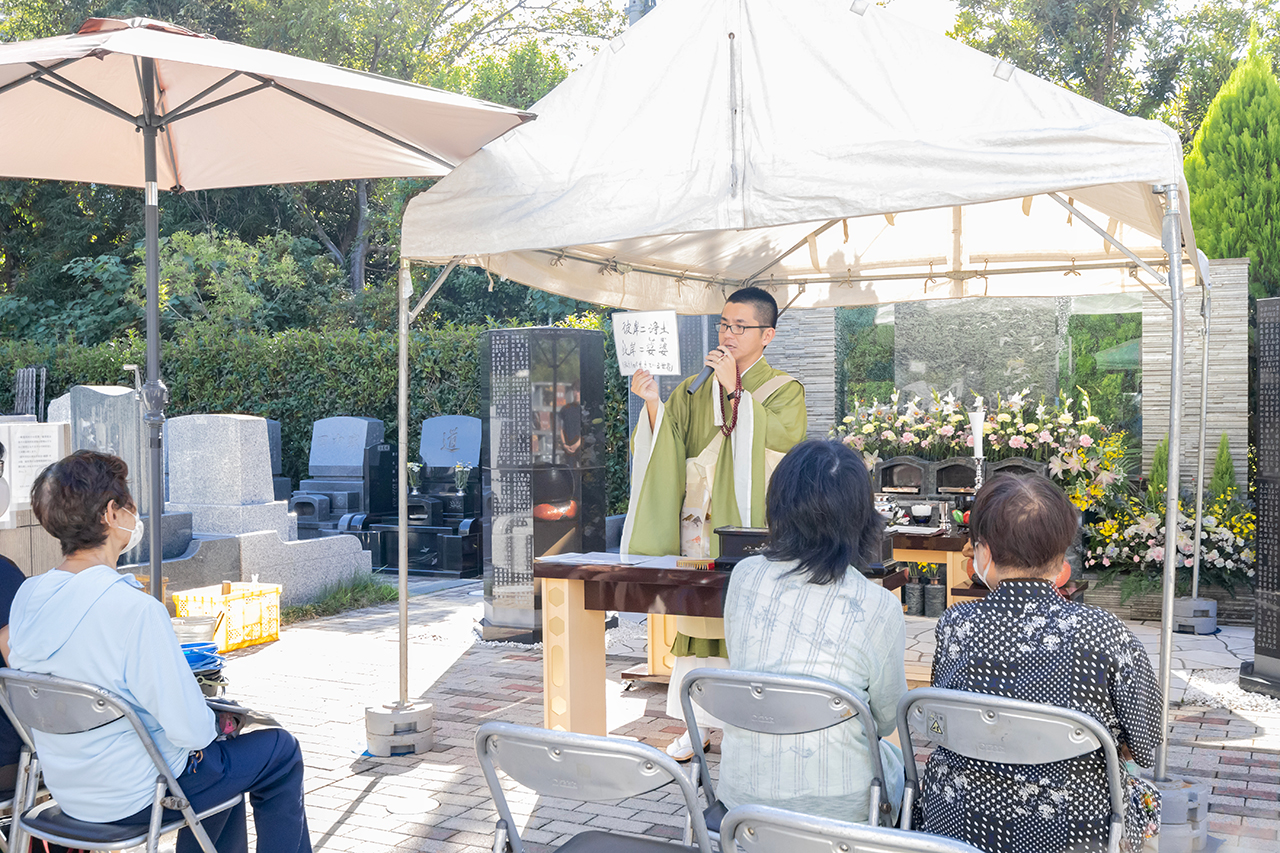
[1206, 309]
[1173, 246]
[402, 471]
[154, 391]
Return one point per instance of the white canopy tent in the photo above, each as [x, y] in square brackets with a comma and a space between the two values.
[837, 155]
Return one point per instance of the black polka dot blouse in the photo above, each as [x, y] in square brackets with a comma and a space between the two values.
[1025, 641]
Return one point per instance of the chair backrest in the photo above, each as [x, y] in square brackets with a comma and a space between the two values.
[775, 704]
[1007, 731]
[762, 829]
[46, 703]
[578, 767]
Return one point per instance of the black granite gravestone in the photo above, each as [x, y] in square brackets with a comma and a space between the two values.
[1262, 674]
[542, 454]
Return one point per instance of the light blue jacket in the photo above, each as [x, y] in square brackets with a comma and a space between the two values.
[97, 626]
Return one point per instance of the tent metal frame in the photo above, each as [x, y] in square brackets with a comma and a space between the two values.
[1171, 239]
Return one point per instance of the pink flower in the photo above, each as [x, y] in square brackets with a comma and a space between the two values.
[1156, 554]
[908, 437]
[1188, 562]
[858, 442]
[1086, 441]
[1106, 561]
[968, 441]
[947, 430]
[887, 435]
[1018, 442]
[1045, 436]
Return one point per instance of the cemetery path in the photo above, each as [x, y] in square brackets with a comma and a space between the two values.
[319, 677]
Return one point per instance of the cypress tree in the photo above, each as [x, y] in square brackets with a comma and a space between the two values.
[1233, 172]
[1224, 471]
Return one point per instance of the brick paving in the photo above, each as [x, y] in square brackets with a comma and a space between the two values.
[319, 677]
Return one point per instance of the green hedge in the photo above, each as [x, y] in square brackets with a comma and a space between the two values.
[300, 376]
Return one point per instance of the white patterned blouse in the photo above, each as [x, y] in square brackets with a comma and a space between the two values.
[851, 632]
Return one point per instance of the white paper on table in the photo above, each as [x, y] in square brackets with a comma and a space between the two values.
[598, 558]
[914, 530]
[667, 562]
[647, 340]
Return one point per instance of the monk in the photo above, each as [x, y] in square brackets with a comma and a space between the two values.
[703, 460]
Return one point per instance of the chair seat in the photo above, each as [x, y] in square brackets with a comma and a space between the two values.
[52, 820]
[714, 815]
[608, 842]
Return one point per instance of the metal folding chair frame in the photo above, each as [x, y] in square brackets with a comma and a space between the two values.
[26, 698]
[1008, 731]
[763, 829]
[771, 703]
[576, 766]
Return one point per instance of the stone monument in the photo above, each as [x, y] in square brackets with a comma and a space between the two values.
[542, 455]
[1262, 674]
[219, 468]
[281, 487]
[108, 419]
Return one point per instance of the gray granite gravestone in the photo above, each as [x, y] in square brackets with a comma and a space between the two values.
[108, 419]
[450, 439]
[337, 467]
[282, 487]
[220, 473]
[1262, 674]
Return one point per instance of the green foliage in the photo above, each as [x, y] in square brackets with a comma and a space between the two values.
[518, 79]
[865, 356]
[1231, 171]
[1223, 482]
[1112, 393]
[1158, 479]
[359, 592]
[1093, 47]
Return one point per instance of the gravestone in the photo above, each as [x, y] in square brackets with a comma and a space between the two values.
[282, 487]
[351, 467]
[542, 454]
[448, 440]
[108, 419]
[1262, 674]
[220, 473]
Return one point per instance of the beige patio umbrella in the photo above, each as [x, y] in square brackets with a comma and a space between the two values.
[142, 103]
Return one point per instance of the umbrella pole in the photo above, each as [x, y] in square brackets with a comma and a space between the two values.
[154, 392]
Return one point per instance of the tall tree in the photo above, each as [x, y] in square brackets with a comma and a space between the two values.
[1093, 47]
[1232, 169]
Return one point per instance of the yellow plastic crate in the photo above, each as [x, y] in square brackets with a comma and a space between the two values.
[251, 611]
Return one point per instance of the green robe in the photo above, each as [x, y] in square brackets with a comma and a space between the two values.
[687, 426]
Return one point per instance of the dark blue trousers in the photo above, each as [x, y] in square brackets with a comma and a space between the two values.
[267, 765]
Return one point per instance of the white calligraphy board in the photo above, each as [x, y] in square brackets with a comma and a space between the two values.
[647, 340]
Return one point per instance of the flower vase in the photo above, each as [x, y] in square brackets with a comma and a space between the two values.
[935, 600]
[913, 595]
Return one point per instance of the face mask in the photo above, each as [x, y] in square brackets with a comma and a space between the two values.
[978, 572]
[135, 535]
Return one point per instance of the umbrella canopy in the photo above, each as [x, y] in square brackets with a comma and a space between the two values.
[231, 115]
[214, 114]
[790, 142]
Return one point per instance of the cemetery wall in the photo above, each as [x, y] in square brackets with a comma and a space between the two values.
[1228, 371]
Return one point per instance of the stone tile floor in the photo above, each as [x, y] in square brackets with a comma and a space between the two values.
[318, 678]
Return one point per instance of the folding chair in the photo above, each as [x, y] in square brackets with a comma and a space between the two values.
[46, 703]
[581, 767]
[774, 704]
[995, 728]
[762, 829]
[16, 841]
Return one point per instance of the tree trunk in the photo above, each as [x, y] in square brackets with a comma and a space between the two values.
[360, 246]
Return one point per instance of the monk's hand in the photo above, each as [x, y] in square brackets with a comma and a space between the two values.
[644, 386]
[726, 368]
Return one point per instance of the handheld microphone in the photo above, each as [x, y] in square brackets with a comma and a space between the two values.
[699, 380]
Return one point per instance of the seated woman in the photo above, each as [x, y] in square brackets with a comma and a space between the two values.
[801, 607]
[86, 622]
[1025, 641]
